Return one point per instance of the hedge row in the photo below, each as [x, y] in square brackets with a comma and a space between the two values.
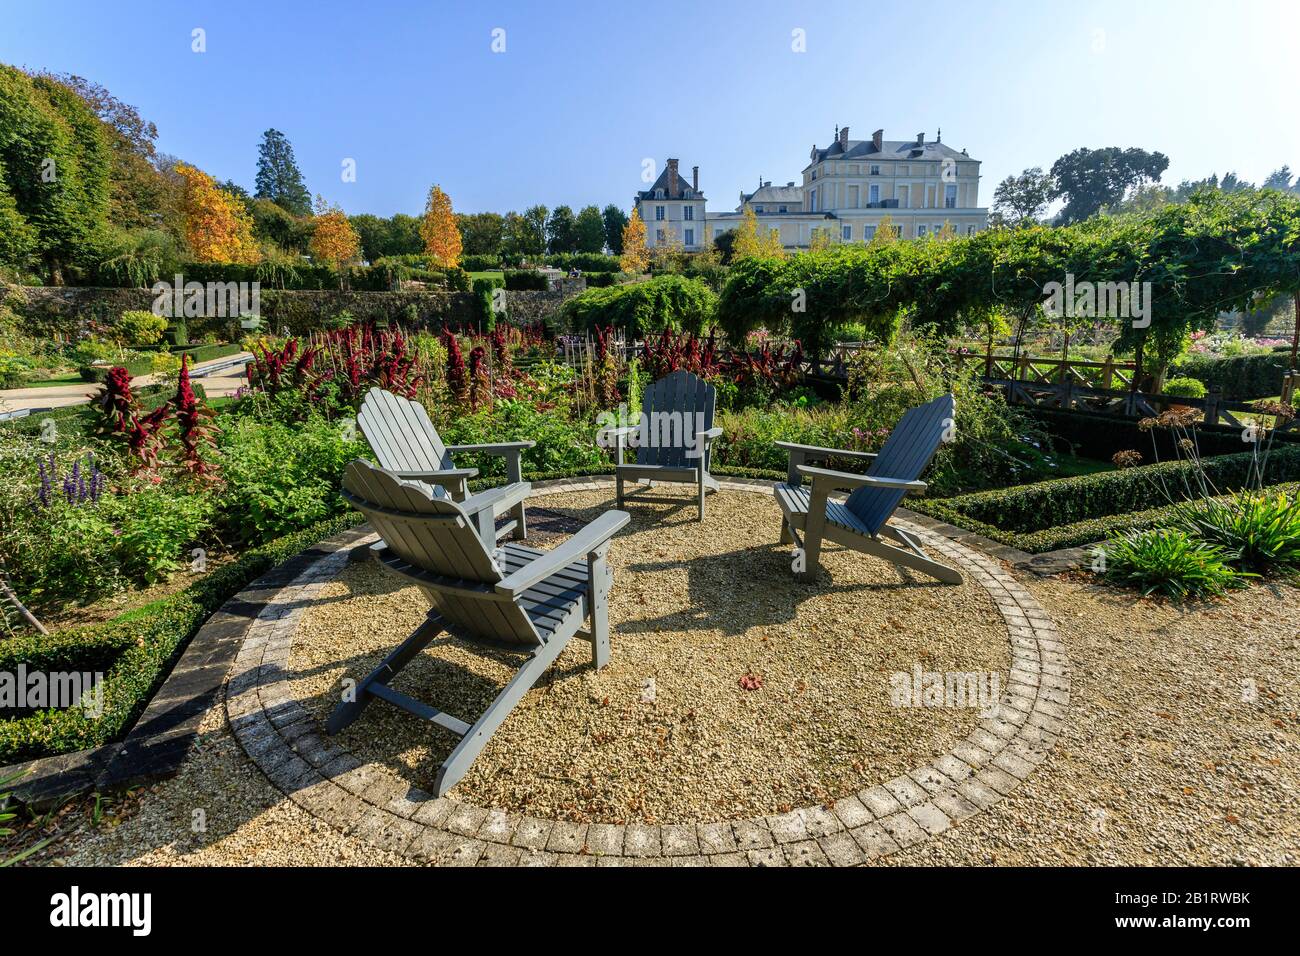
[1066, 512]
[1099, 436]
[1240, 379]
[525, 280]
[135, 652]
[381, 277]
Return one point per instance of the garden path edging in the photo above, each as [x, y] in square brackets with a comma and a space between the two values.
[373, 804]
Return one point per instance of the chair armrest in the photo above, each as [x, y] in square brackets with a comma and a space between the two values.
[814, 452]
[505, 495]
[799, 454]
[710, 435]
[621, 431]
[587, 541]
[844, 479]
[493, 448]
[436, 477]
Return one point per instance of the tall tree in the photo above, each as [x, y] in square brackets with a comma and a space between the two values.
[438, 229]
[615, 219]
[57, 166]
[589, 230]
[1022, 199]
[1092, 179]
[1279, 179]
[333, 240]
[635, 257]
[561, 231]
[278, 177]
[481, 233]
[217, 227]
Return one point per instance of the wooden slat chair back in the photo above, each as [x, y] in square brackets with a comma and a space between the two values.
[675, 433]
[511, 596]
[402, 435]
[906, 454]
[405, 441]
[675, 409]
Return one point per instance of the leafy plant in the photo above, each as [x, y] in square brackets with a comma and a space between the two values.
[1184, 387]
[1257, 531]
[136, 327]
[1170, 562]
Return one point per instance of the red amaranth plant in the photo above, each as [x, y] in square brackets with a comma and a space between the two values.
[116, 403]
[457, 380]
[273, 371]
[606, 368]
[480, 380]
[194, 434]
[144, 438]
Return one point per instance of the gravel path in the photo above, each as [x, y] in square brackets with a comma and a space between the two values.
[1181, 745]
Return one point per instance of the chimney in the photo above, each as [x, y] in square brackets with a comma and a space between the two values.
[920, 139]
[695, 178]
[878, 139]
[672, 179]
[844, 139]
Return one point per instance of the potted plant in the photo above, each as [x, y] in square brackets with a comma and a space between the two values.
[1183, 387]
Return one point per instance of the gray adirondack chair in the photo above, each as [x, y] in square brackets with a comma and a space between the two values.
[403, 438]
[861, 522]
[514, 596]
[674, 437]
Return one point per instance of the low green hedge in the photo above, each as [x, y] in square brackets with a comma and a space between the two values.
[134, 651]
[525, 280]
[198, 355]
[1067, 512]
[1242, 378]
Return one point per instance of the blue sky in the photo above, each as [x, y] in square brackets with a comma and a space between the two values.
[585, 91]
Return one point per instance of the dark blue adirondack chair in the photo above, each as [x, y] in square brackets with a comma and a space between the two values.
[861, 522]
[673, 437]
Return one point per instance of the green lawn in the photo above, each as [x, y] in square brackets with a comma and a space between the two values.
[492, 274]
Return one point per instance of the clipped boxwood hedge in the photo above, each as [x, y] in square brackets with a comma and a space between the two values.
[1067, 512]
[1241, 378]
[143, 366]
[134, 651]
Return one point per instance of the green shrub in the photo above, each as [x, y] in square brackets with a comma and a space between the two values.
[281, 477]
[1241, 378]
[525, 280]
[562, 445]
[136, 328]
[156, 529]
[1257, 532]
[480, 263]
[664, 302]
[1184, 387]
[1168, 561]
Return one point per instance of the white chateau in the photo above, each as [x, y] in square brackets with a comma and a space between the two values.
[848, 188]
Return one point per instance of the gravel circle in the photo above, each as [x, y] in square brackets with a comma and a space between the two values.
[666, 733]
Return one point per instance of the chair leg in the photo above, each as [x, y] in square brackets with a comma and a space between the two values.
[598, 581]
[618, 487]
[349, 710]
[701, 496]
[786, 537]
[521, 522]
[472, 744]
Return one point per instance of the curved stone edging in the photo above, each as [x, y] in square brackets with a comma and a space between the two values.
[367, 801]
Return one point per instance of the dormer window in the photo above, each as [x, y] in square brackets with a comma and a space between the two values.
[688, 193]
[659, 194]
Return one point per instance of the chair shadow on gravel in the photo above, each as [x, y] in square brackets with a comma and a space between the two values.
[766, 570]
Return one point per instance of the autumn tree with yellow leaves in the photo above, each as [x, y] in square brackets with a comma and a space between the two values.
[217, 226]
[333, 240]
[886, 232]
[635, 257]
[752, 241]
[438, 229]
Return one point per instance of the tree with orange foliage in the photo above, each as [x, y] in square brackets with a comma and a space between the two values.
[217, 226]
[333, 240]
[438, 229]
[635, 257]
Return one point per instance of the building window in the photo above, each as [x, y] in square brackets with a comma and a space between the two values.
[813, 204]
[873, 194]
[659, 194]
[902, 170]
[970, 230]
[950, 196]
[659, 235]
[688, 193]
[904, 197]
[846, 233]
[875, 170]
[659, 213]
[758, 209]
[868, 232]
[688, 212]
[781, 209]
[690, 237]
[920, 230]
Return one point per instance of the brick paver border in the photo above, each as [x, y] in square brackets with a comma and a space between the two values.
[367, 801]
